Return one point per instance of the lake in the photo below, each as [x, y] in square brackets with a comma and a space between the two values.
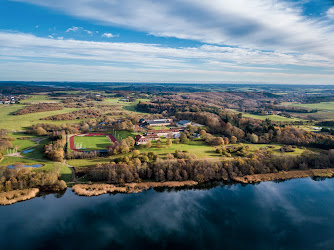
[295, 214]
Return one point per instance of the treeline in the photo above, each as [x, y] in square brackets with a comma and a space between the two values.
[75, 115]
[180, 170]
[214, 123]
[21, 178]
[5, 141]
[41, 107]
[48, 129]
[325, 123]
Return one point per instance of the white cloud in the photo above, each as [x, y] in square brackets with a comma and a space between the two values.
[79, 29]
[73, 29]
[49, 36]
[330, 13]
[152, 62]
[109, 35]
[275, 25]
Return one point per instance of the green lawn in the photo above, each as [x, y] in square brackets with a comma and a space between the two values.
[19, 122]
[122, 134]
[92, 142]
[21, 144]
[160, 128]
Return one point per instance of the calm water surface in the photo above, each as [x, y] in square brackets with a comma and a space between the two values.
[295, 214]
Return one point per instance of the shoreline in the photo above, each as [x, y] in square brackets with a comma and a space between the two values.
[99, 189]
[11, 197]
[285, 175]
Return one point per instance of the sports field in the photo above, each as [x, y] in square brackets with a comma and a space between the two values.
[91, 143]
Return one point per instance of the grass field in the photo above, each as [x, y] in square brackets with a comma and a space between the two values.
[20, 122]
[37, 152]
[34, 99]
[92, 142]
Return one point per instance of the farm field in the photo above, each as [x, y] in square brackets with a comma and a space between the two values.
[20, 122]
[328, 106]
[91, 143]
[276, 118]
[126, 106]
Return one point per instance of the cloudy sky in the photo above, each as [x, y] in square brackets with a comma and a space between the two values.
[269, 41]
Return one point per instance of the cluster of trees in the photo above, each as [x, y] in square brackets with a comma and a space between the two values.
[124, 147]
[137, 158]
[46, 128]
[82, 155]
[293, 136]
[41, 107]
[217, 141]
[239, 150]
[55, 149]
[75, 115]
[189, 169]
[214, 123]
[20, 178]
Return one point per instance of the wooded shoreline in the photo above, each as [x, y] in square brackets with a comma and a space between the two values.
[11, 197]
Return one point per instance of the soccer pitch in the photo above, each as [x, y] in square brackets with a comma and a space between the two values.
[90, 143]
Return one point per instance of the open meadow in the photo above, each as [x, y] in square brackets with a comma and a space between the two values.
[19, 122]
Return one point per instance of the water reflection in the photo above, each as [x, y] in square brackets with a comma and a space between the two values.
[287, 215]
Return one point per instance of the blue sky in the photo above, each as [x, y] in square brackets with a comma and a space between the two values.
[270, 41]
